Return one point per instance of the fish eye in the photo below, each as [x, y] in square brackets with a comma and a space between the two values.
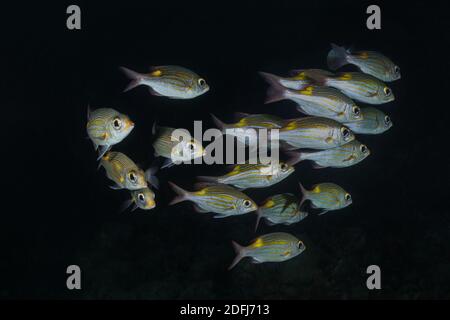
[387, 120]
[201, 82]
[363, 148]
[247, 203]
[348, 197]
[300, 244]
[345, 132]
[396, 69]
[387, 91]
[132, 177]
[356, 111]
[117, 124]
[284, 167]
[141, 197]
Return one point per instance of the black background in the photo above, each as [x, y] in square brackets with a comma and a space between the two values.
[58, 210]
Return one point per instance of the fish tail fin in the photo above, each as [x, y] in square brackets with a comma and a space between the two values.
[294, 157]
[151, 178]
[136, 78]
[276, 91]
[239, 254]
[181, 194]
[219, 124]
[304, 194]
[337, 57]
[258, 217]
[208, 179]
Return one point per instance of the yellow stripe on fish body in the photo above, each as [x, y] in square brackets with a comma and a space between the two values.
[307, 91]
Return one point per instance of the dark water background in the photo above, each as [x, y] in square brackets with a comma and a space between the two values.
[61, 212]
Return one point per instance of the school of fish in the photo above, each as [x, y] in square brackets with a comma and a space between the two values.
[327, 134]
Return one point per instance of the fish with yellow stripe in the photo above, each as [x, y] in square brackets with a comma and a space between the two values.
[315, 100]
[142, 198]
[314, 133]
[280, 209]
[272, 247]
[107, 127]
[248, 175]
[343, 156]
[221, 199]
[327, 196]
[170, 81]
[125, 173]
[370, 62]
[375, 122]
[356, 85]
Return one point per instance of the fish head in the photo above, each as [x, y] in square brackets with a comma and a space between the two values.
[386, 123]
[386, 94]
[187, 150]
[135, 179]
[120, 126]
[199, 86]
[361, 151]
[299, 247]
[354, 113]
[394, 72]
[144, 198]
[346, 199]
[245, 205]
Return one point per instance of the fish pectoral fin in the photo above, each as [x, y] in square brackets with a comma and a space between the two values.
[286, 253]
[220, 216]
[198, 209]
[329, 140]
[352, 157]
[167, 163]
[116, 187]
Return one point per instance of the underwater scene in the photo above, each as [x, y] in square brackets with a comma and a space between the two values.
[286, 150]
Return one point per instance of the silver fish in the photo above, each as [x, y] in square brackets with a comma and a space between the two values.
[107, 127]
[327, 196]
[346, 155]
[123, 171]
[272, 247]
[375, 122]
[315, 133]
[170, 81]
[370, 62]
[280, 209]
[356, 85]
[221, 199]
[172, 148]
[245, 176]
[316, 101]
